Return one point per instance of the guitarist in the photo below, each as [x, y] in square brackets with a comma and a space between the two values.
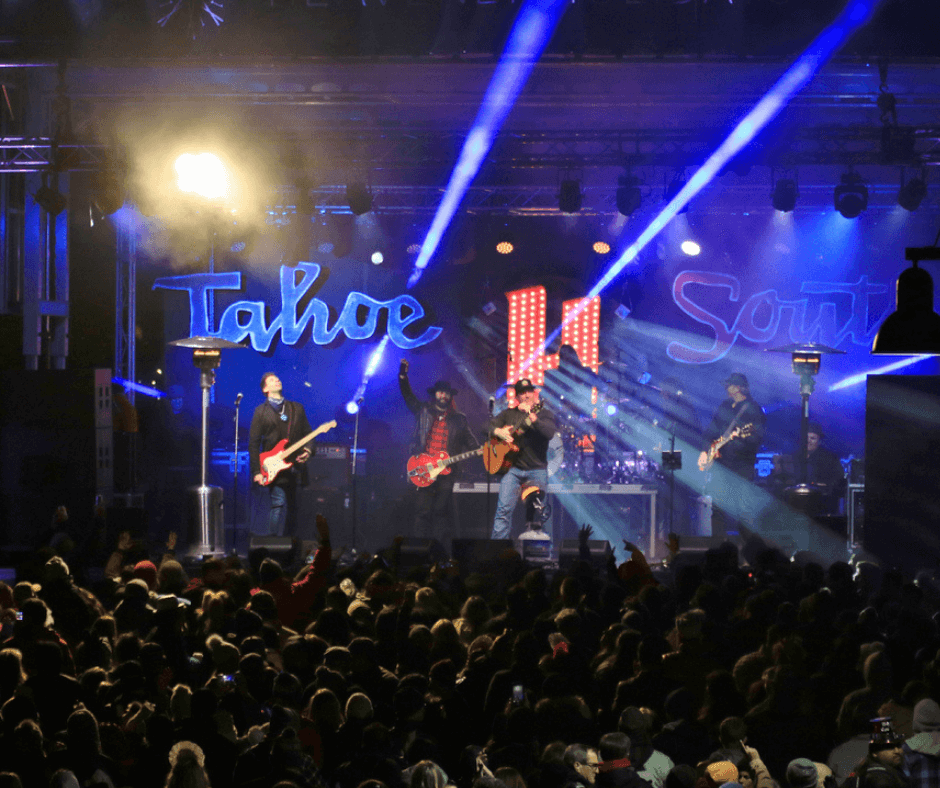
[529, 466]
[739, 455]
[273, 420]
[439, 426]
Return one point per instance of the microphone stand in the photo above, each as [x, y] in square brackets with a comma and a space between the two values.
[238, 404]
[355, 457]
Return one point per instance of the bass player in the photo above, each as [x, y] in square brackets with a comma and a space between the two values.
[527, 428]
[439, 427]
[274, 420]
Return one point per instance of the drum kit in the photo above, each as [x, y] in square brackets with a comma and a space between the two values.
[602, 447]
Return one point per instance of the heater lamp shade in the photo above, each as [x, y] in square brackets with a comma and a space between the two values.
[914, 328]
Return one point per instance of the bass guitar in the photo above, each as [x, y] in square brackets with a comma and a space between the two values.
[496, 451]
[423, 469]
[714, 451]
[273, 462]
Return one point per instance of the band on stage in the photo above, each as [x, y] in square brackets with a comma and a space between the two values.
[579, 427]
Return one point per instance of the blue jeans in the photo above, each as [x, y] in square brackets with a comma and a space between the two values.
[277, 517]
[509, 489]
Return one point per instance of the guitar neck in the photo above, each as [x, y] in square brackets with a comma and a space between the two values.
[307, 438]
[459, 457]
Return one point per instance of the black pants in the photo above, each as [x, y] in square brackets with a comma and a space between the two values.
[434, 514]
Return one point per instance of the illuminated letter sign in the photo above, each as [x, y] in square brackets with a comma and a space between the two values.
[246, 318]
[527, 334]
[762, 315]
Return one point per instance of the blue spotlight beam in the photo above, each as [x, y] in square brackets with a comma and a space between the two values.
[855, 14]
[374, 360]
[861, 377]
[530, 34]
[139, 388]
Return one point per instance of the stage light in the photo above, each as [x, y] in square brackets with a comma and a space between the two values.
[690, 248]
[359, 198]
[629, 197]
[202, 174]
[352, 407]
[622, 311]
[785, 195]
[413, 249]
[50, 200]
[913, 328]
[675, 186]
[611, 409]
[601, 247]
[377, 258]
[107, 193]
[912, 194]
[570, 197]
[851, 195]
[505, 242]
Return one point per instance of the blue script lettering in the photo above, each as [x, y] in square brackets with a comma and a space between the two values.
[775, 313]
[247, 318]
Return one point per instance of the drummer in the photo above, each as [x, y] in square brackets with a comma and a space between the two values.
[823, 469]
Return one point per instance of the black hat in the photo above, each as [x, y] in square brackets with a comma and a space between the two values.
[736, 379]
[883, 735]
[816, 428]
[523, 385]
[442, 385]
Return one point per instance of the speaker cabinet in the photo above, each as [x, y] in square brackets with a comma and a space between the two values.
[418, 551]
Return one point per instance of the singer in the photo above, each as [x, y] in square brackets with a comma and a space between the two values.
[274, 419]
[439, 427]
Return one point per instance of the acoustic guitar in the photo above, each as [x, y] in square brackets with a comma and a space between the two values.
[496, 452]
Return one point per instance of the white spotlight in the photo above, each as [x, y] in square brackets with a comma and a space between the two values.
[202, 174]
[690, 248]
[377, 258]
[352, 407]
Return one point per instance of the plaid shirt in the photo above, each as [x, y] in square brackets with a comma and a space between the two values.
[922, 769]
[437, 437]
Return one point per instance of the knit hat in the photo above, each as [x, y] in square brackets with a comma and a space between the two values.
[801, 773]
[722, 772]
[926, 716]
[146, 571]
[883, 735]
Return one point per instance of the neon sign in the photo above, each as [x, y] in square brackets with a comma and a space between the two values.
[527, 334]
[762, 315]
[357, 320]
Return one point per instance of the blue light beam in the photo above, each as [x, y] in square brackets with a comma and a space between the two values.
[530, 34]
[374, 360]
[861, 377]
[855, 14]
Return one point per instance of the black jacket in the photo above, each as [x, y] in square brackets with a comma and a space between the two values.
[459, 436]
[267, 428]
[741, 452]
[533, 442]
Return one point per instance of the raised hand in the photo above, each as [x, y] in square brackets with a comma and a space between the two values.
[585, 532]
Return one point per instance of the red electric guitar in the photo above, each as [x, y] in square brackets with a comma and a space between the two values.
[423, 469]
[273, 462]
[495, 450]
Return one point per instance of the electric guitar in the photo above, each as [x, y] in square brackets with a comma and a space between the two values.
[273, 462]
[423, 469]
[714, 451]
[495, 451]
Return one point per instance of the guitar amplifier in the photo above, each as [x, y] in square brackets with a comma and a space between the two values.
[329, 467]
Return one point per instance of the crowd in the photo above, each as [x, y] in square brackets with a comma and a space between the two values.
[739, 667]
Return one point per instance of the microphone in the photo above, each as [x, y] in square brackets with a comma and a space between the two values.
[492, 404]
[238, 398]
[359, 401]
